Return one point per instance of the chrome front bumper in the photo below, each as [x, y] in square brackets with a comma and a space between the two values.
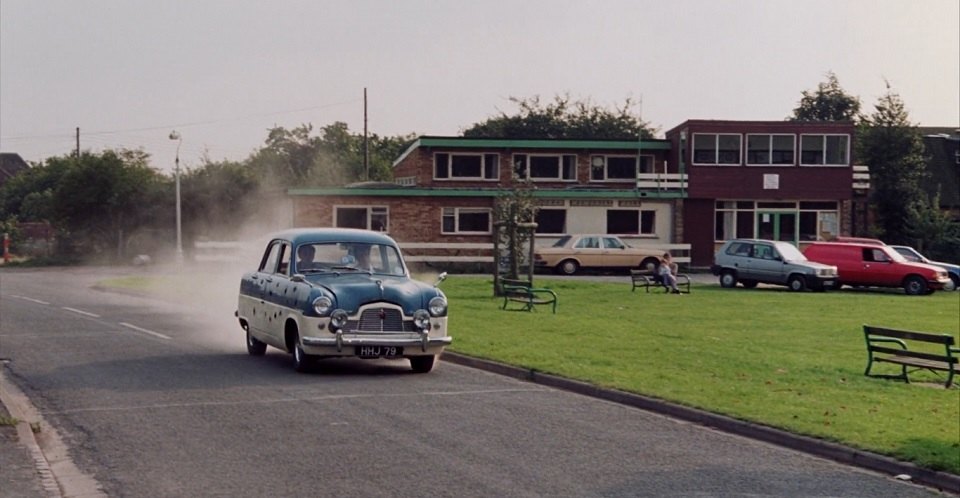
[406, 340]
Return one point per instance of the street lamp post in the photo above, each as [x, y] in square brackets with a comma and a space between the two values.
[174, 135]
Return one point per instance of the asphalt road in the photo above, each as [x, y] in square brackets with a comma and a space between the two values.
[157, 397]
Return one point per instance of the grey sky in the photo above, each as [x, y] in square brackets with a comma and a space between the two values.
[223, 72]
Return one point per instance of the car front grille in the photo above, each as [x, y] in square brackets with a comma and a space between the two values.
[380, 320]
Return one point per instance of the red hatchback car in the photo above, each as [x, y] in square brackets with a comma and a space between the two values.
[873, 265]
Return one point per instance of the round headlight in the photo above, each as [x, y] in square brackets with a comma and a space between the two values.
[338, 319]
[322, 305]
[438, 306]
[421, 319]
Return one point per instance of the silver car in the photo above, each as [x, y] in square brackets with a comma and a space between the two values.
[753, 261]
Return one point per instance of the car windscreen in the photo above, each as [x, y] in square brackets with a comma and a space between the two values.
[562, 242]
[789, 252]
[349, 256]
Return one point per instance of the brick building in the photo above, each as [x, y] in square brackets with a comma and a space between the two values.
[707, 181]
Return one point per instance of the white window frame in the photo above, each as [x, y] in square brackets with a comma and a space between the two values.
[716, 149]
[456, 211]
[637, 161]
[558, 178]
[483, 167]
[793, 138]
[371, 211]
[824, 149]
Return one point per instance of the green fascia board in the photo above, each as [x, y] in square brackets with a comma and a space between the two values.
[497, 143]
[540, 194]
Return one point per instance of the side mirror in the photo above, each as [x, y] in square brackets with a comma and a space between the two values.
[297, 277]
[440, 278]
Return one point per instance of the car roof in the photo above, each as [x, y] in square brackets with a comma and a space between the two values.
[298, 236]
[847, 244]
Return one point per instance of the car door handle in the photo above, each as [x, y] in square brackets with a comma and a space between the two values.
[268, 279]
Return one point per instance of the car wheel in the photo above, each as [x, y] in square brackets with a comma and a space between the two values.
[422, 364]
[254, 346]
[301, 360]
[953, 284]
[650, 265]
[568, 267]
[915, 285]
[797, 283]
[728, 280]
[749, 284]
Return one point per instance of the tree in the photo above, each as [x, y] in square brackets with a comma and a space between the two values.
[893, 149]
[297, 158]
[102, 198]
[563, 119]
[828, 103]
[29, 194]
[514, 211]
[937, 235]
[218, 198]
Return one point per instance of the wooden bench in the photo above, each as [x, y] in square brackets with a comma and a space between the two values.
[645, 279]
[521, 291]
[888, 345]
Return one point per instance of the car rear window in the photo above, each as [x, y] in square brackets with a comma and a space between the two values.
[739, 249]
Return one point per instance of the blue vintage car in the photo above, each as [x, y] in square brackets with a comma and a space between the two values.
[331, 292]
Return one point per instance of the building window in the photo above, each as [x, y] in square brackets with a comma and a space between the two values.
[465, 221]
[631, 222]
[619, 168]
[766, 150]
[551, 220]
[816, 220]
[364, 217]
[825, 150]
[545, 167]
[716, 148]
[448, 166]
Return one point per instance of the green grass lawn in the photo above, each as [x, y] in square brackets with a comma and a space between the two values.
[789, 360]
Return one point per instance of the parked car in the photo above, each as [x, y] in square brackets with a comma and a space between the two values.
[753, 261]
[573, 252]
[321, 293]
[872, 265]
[953, 271]
[857, 240]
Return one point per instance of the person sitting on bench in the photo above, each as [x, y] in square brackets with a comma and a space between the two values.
[668, 273]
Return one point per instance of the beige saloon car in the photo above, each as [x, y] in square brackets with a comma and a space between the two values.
[574, 252]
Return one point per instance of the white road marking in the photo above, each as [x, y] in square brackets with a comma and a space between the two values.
[145, 331]
[32, 300]
[87, 313]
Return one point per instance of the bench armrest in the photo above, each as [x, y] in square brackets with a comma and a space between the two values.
[871, 340]
[534, 290]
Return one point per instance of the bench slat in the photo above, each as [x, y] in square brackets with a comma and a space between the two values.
[915, 354]
[913, 362]
[911, 335]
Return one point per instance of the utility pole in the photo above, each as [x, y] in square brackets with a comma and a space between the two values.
[366, 146]
[78, 142]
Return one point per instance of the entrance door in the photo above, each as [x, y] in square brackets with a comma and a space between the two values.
[773, 225]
